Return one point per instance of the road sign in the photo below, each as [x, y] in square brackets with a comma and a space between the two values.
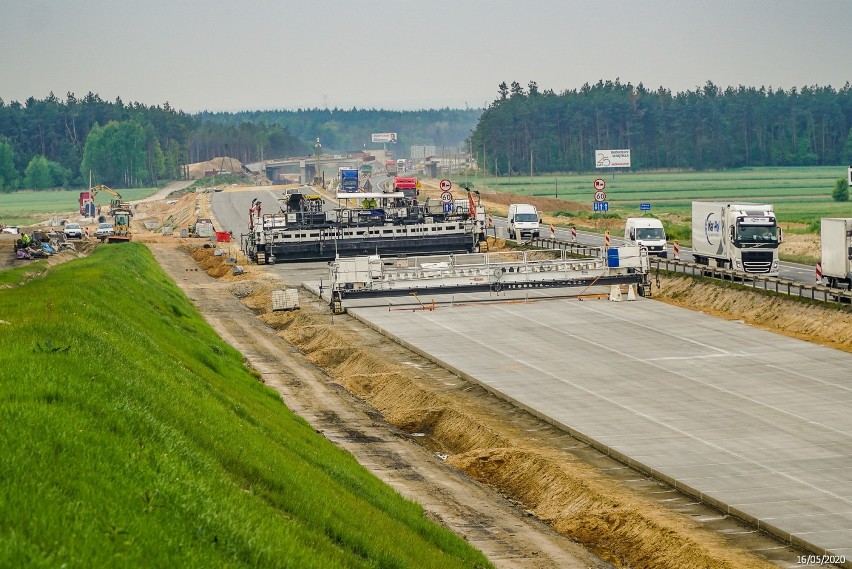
[601, 206]
[645, 206]
[446, 185]
[600, 184]
[446, 197]
[600, 196]
[448, 207]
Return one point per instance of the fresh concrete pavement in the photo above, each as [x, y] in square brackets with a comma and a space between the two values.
[756, 423]
[753, 422]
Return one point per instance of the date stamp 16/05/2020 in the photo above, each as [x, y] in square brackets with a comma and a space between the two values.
[821, 559]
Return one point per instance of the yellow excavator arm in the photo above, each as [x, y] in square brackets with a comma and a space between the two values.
[115, 204]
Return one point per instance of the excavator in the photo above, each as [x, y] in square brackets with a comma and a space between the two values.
[120, 212]
[114, 204]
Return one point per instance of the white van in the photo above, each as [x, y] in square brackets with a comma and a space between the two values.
[646, 232]
[524, 221]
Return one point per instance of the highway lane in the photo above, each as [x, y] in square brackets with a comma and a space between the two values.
[750, 421]
[787, 270]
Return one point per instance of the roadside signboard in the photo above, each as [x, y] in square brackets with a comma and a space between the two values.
[384, 137]
[601, 206]
[612, 158]
[446, 185]
[850, 175]
[446, 197]
[645, 206]
[600, 196]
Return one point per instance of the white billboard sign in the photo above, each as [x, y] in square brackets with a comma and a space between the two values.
[384, 137]
[612, 158]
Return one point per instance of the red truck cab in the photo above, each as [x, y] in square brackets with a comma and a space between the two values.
[408, 186]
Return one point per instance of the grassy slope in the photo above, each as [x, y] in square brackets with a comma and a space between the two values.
[133, 436]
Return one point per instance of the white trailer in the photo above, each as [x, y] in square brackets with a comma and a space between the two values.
[742, 237]
[836, 245]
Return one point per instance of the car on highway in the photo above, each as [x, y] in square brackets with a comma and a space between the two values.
[104, 230]
[73, 231]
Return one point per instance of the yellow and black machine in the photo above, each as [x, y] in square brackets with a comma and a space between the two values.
[121, 232]
[114, 204]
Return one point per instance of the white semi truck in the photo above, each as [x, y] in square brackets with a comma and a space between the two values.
[743, 237]
[836, 245]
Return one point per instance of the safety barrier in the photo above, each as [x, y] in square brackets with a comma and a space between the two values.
[575, 248]
[776, 284]
[779, 285]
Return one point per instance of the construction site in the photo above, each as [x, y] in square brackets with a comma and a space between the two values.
[524, 492]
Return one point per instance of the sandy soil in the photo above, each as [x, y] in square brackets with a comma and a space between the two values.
[220, 163]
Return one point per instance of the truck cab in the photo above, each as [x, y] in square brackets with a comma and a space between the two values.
[524, 221]
[646, 232]
[408, 186]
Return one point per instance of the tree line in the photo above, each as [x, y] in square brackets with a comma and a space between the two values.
[54, 143]
[708, 128]
[350, 130]
[58, 143]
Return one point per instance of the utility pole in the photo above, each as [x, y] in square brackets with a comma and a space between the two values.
[531, 171]
[318, 147]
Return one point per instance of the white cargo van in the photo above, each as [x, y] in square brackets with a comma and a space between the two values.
[524, 221]
[646, 232]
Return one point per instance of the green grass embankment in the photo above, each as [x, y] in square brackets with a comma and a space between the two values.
[133, 436]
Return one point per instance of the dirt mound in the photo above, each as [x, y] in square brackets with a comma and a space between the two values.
[621, 527]
[800, 245]
[219, 266]
[176, 214]
[826, 325]
[219, 164]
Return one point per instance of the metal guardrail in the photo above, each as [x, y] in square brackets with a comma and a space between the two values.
[776, 284]
[779, 285]
[570, 246]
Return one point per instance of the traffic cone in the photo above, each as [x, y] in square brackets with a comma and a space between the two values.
[631, 292]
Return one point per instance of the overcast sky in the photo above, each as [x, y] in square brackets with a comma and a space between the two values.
[405, 54]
